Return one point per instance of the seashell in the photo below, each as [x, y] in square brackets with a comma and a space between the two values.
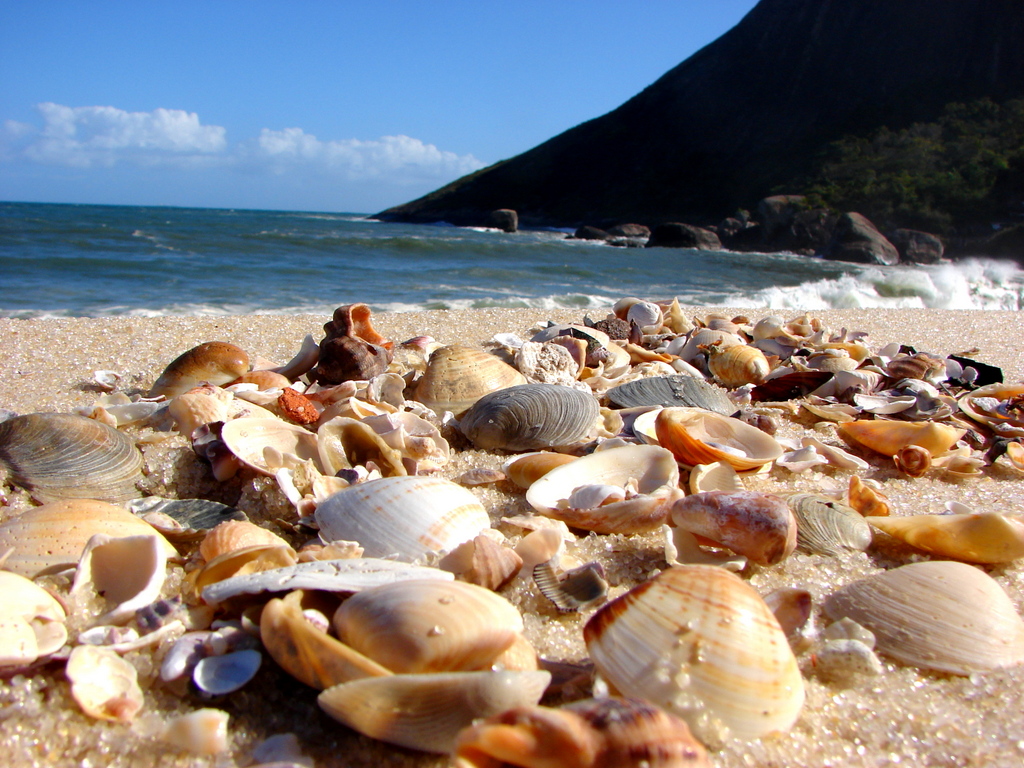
[528, 468]
[327, 575]
[203, 405]
[483, 562]
[791, 607]
[692, 347]
[941, 615]
[671, 391]
[573, 590]
[827, 527]
[215, 362]
[860, 381]
[480, 476]
[696, 437]
[128, 572]
[844, 661]
[996, 406]
[184, 519]
[621, 307]
[645, 314]
[354, 320]
[428, 626]
[540, 546]
[203, 732]
[344, 358]
[648, 471]
[700, 643]
[913, 460]
[249, 561]
[982, 537]
[221, 675]
[848, 629]
[717, 476]
[62, 456]
[737, 365]
[840, 413]
[756, 525]
[303, 361]
[31, 621]
[594, 733]
[264, 379]
[407, 516]
[834, 455]
[265, 445]
[888, 437]
[53, 536]
[104, 685]
[831, 360]
[918, 366]
[307, 653]
[530, 417]
[456, 377]
[427, 711]
[865, 499]
[801, 460]
[343, 443]
[233, 535]
[417, 440]
[789, 386]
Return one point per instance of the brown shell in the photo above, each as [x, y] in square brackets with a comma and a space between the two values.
[214, 362]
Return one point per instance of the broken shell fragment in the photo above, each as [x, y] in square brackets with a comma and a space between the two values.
[128, 572]
[759, 526]
[31, 621]
[104, 685]
[266, 445]
[984, 537]
[573, 590]
[215, 362]
[699, 642]
[203, 732]
[938, 614]
[427, 711]
[63, 456]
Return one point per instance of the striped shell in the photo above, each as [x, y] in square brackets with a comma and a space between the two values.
[530, 417]
[737, 365]
[827, 527]
[938, 614]
[670, 391]
[699, 642]
[63, 456]
[408, 516]
[456, 377]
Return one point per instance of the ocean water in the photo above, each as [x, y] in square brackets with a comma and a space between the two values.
[100, 261]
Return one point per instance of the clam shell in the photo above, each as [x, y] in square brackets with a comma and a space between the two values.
[456, 377]
[695, 436]
[650, 468]
[827, 527]
[756, 525]
[221, 675]
[985, 537]
[63, 456]
[215, 362]
[408, 516]
[104, 685]
[527, 469]
[428, 626]
[699, 642]
[264, 444]
[427, 712]
[940, 615]
[233, 535]
[987, 405]
[31, 621]
[53, 536]
[530, 417]
[888, 437]
[672, 391]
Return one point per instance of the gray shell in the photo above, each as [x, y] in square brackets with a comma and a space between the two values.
[530, 417]
[827, 527]
[672, 391]
[62, 456]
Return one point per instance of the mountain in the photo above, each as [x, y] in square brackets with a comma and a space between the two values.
[751, 113]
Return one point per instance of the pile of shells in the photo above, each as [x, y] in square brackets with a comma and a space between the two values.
[405, 518]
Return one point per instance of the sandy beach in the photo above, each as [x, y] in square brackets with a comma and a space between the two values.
[905, 716]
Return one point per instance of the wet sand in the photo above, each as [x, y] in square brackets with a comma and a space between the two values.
[903, 717]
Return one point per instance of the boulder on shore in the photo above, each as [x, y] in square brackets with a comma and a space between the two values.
[586, 232]
[504, 219]
[856, 239]
[630, 230]
[916, 247]
[675, 234]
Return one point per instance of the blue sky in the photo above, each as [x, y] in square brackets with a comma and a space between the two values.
[330, 106]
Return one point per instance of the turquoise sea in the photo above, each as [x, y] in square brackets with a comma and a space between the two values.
[99, 261]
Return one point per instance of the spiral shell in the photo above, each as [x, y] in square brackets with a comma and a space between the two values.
[530, 417]
[215, 362]
[699, 642]
[737, 365]
[456, 377]
[62, 456]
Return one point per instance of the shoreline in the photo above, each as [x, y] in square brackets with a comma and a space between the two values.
[905, 715]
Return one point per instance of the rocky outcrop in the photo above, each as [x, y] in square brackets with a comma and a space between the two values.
[856, 239]
[750, 113]
[504, 219]
[675, 234]
[587, 232]
[916, 247]
[630, 230]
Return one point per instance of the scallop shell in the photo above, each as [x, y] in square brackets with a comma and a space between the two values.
[233, 535]
[827, 527]
[671, 391]
[428, 626]
[594, 733]
[888, 437]
[737, 365]
[63, 456]
[756, 525]
[53, 536]
[265, 445]
[530, 417]
[407, 516]
[215, 362]
[427, 712]
[985, 537]
[699, 642]
[695, 436]
[456, 377]
[650, 468]
[940, 615]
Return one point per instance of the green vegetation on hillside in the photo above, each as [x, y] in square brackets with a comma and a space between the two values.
[965, 168]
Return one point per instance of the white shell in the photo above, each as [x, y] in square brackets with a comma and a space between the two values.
[129, 572]
[104, 685]
[31, 621]
[410, 517]
[265, 445]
